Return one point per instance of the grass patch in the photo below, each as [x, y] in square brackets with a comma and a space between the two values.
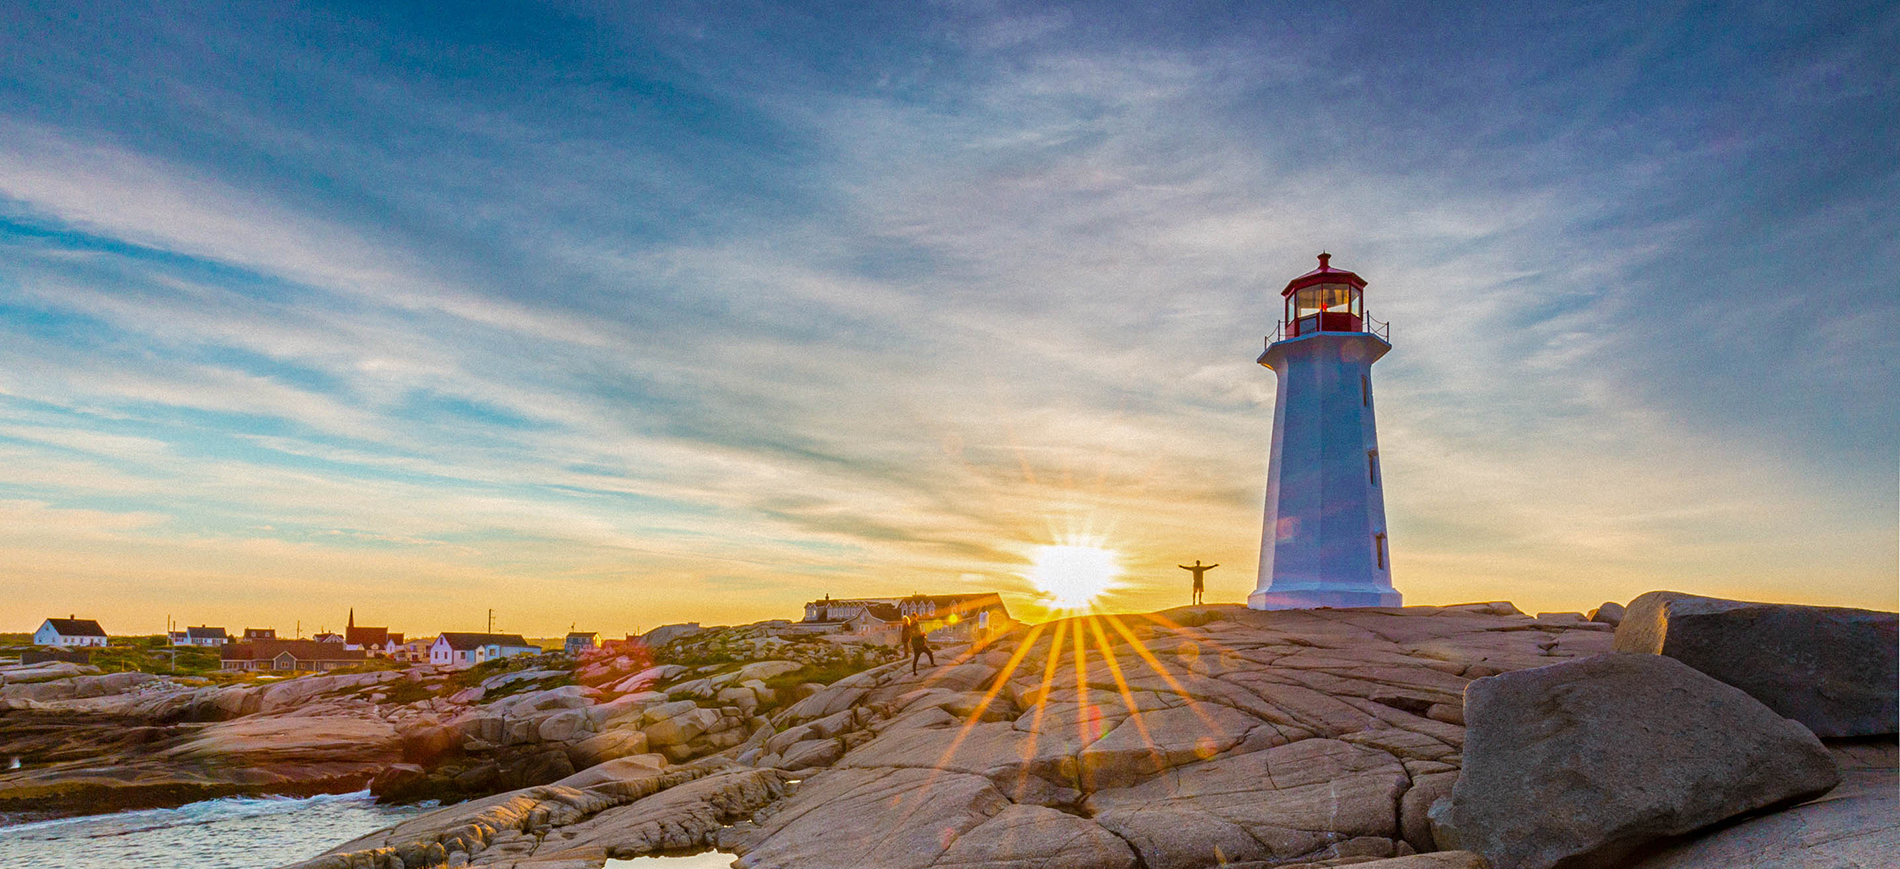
[154, 655]
[406, 691]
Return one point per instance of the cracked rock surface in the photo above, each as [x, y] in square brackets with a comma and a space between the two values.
[1185, 739]
[1197, 737]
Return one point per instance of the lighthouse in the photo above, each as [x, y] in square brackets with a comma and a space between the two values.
[1323, 542]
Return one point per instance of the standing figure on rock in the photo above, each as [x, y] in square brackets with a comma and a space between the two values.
[920, 646]
[1197, 570]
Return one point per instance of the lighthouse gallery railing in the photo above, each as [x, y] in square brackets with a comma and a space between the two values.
[1284, 330]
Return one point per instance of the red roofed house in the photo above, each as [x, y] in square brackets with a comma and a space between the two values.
[378, 642]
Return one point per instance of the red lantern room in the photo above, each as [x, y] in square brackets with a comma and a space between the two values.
[1325, 299]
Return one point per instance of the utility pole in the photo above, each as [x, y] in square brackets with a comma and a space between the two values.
[491, 621]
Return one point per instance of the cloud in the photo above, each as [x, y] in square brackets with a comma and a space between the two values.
[651, 320]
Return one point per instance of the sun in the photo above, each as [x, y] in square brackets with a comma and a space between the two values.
[1074, 576]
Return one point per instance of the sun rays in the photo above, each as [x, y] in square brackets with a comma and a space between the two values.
[1078, 638]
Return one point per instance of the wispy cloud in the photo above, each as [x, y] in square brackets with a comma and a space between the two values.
[699, 323]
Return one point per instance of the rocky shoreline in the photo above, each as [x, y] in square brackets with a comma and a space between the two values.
[1426, 736]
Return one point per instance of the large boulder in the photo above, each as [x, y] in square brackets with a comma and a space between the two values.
[681, 728]
[1856, 826]
[1576, 764]
[1831, 668]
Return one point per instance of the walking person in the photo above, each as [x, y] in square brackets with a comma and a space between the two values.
[920, 647]
[1197, 570]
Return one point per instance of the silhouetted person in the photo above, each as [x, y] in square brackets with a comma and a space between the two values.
[1197, 570]
[920, 647]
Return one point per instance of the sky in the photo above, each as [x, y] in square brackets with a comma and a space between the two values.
[610, 315]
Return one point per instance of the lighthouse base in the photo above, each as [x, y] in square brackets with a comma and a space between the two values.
[1308, 600]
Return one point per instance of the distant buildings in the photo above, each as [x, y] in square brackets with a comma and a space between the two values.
[378, 642]
[949, 618]
[200, 636]
[70, 632]
[288, 656]
[411, 651]
[458, 649]
[260, 634]
[581, 641]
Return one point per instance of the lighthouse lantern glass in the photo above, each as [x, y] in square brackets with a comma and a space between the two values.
[1325, 307]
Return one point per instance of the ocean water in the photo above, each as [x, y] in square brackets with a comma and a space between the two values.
[233, 833]
[703, 860]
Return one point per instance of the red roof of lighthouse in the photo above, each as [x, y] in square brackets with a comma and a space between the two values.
[1325, 274]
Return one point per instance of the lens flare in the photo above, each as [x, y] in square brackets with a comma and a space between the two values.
[1073, 576]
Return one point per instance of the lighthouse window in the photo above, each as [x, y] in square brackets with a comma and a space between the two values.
[1308, 302]
[1372, 465]
[1378, 547]
[1338, 299]
[1365, 390]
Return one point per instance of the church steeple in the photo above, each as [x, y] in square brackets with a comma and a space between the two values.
[352, 617]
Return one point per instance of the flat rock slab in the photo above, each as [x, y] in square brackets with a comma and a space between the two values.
[1577, 764]
[894, 819]
[1178, 740]
[1831, 668]
[1281, 804]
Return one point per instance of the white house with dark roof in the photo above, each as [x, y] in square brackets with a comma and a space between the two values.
[459, 649]
[200, 636]
[70, 632]
[581, 642]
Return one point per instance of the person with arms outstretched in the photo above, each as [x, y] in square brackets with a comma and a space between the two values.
[1197, 570]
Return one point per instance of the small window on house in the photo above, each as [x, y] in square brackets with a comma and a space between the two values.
[1378, 548]
[1372, 465]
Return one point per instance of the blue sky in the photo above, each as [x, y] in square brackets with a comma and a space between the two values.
[607, 314]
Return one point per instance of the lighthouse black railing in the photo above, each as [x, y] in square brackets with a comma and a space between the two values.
[1310, 325]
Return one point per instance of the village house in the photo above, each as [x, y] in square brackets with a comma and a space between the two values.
[69, 632]
[200, 636]
[260, 634]
[948, 618]
[288, 656]
[410, 651]
[629, 646]
[875, 619]
[579, 642]
[378, 642]
[328, 637]
[459, 649]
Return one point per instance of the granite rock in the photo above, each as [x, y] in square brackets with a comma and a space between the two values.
[1577, 764]
[1831, 668]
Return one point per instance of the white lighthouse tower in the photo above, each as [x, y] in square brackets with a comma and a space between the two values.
[1324, 542]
